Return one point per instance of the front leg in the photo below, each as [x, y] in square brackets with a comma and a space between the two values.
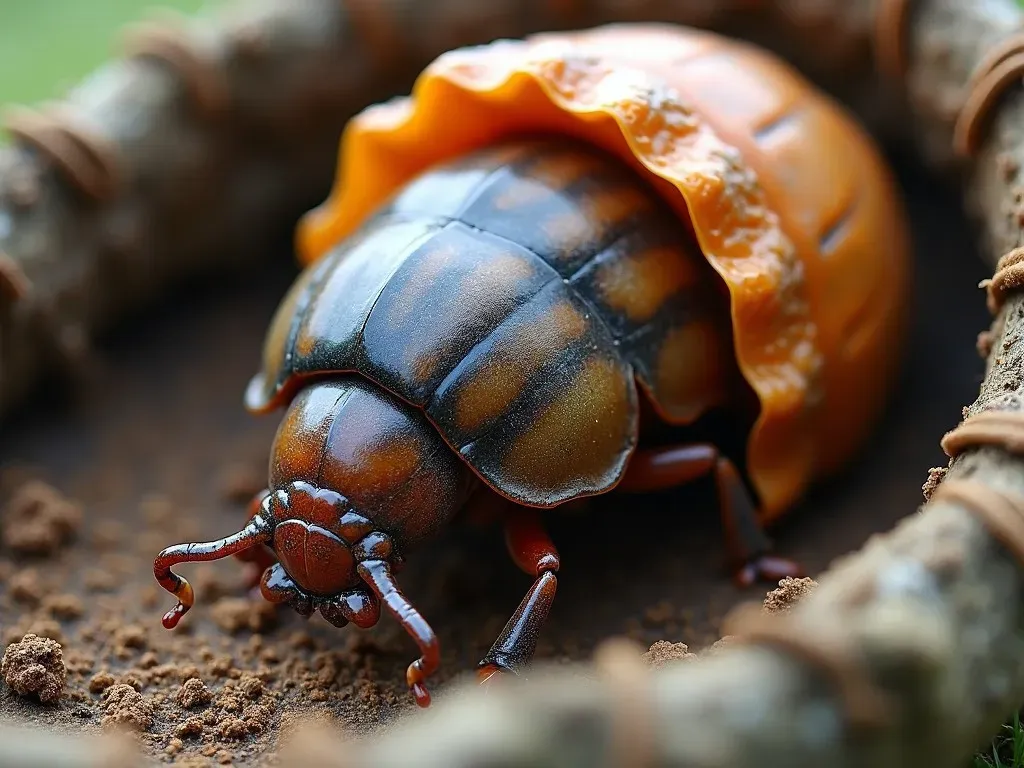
[534, 552]
[259, 557]
[657, 469]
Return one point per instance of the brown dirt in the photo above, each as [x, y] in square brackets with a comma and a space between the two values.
[126, 706]
[935, 475]
[159, 450]
[787, 594]
[780, 600]
[34, 666]
[38, 520]
[663, 652]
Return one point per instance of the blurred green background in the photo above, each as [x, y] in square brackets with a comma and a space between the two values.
[46, 46]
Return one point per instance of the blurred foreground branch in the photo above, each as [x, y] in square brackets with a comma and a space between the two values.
[27, 747]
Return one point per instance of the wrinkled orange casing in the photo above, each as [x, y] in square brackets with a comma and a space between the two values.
[790, 202]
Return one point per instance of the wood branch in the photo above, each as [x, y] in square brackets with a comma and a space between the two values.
[196, 155]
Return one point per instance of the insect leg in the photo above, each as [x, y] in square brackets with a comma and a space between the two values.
[260, 557]
[256, 532]
[659, 469]
[532, 551]
[377, 574]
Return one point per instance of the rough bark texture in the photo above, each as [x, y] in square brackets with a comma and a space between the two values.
[931, 612]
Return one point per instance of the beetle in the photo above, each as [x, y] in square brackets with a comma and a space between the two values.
[628, 218]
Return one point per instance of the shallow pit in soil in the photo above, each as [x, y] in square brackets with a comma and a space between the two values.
[159, 450]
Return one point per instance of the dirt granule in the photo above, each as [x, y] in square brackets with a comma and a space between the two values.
[26, 587]
[130, 638]
[99, 682]
[98, 580]
[986, 340]
[66, 607]
[193, 693]
[721, 644]
[189, 728]
[235, 614]
[789, 592]
[251, 687]
[125, 706]
[35, 666]
[39, 520]
[232, 728]
[664, 652]
[935, 477]
[779, 601]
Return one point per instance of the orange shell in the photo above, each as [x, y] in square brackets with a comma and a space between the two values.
[790, 201]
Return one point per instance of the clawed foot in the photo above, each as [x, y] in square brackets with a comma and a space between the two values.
[768, 569]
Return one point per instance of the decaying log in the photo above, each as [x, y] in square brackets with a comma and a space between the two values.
[197, 153]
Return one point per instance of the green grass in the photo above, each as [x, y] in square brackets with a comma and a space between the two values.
[46, 46]
[1007, 750]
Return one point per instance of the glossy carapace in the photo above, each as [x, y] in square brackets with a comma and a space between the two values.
[623, 217]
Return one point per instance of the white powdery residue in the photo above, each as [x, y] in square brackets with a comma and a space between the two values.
[807, 357]
[613, 86]
[795, 276]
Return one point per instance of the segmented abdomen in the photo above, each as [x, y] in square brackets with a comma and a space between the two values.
[514, 296]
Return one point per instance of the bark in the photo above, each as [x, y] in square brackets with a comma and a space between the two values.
[203, 156]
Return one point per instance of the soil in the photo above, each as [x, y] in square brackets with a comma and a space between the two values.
[787, 594]
[158, 450]
[34, 666]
